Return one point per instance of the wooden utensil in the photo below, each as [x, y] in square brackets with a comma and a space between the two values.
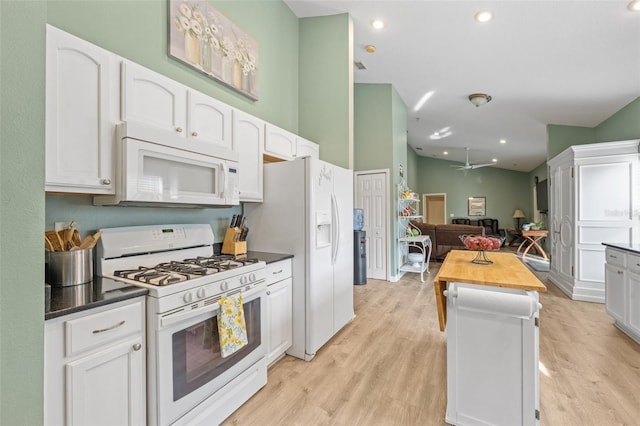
[47, 244]
[75, 238]
[90, 240]
[66, 235]
[55, 240]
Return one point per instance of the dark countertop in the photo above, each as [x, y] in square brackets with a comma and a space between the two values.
[103, 291]
[268, 257]
[631, 248]
[99, 292]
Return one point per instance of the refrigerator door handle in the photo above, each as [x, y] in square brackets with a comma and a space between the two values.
[336, 229]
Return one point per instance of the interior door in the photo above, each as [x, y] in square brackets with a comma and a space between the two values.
[435, 206]
[372, 196]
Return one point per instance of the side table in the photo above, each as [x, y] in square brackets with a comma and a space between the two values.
[531, 240]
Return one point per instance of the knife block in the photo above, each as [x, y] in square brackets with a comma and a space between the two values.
[230, 245]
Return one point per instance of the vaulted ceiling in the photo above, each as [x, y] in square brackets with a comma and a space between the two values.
[565, 62]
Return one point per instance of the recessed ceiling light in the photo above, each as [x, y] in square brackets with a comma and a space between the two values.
[634, 6]
[494, 160]
[483, 16]
[377, 24]
[370, 48]
[503, 141]
[446, 153]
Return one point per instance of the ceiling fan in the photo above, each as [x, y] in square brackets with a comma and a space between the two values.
[468, 166]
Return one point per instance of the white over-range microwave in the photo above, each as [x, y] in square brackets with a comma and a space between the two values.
[156, 167]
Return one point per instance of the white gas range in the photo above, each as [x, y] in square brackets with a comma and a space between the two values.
[188, 381]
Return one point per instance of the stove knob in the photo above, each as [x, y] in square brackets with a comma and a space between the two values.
[224, 286]
[252, 277]
[201, 293]
[188, 297]
[243, 279]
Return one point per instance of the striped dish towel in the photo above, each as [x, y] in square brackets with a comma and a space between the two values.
[232, 328]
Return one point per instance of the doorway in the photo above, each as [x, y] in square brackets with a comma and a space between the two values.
[372, 196]
[435, 208]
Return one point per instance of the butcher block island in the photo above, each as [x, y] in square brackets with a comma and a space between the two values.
[491, 317]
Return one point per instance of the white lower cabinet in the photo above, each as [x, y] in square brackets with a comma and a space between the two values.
[622, 285]
[279, 310]
[95, 366]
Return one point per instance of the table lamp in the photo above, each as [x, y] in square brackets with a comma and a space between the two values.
[517, 215]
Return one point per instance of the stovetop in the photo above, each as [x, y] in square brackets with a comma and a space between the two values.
[172, 272]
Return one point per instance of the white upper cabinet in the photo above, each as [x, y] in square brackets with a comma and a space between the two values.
[306, 148]
[279, 143]
[153, 99]
[209, 120]
[81, 111]
[248, 142]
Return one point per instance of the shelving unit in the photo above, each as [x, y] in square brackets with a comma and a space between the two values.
[408, 209]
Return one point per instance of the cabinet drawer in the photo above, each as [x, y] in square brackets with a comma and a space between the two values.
[88, 332]
[633, 263]
[278, 271]
[615, 257]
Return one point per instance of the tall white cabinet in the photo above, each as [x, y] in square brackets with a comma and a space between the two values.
[594, 198]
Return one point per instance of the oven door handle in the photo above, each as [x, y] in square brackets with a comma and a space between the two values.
[178, 317]
[247, 296]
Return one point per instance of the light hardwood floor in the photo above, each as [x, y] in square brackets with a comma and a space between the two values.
[388, 366]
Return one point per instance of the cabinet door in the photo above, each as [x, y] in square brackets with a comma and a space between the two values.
[209, 120]
[615, 299]
[248, 141]
[81, 113]
[633, 302]
[562, 233]
[108, 387]
[306, 148]
[152, 99]
[279, 314]
[279, 143]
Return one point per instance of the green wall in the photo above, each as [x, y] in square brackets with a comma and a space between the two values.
[22, 35]
[505, 190]
[561, 137]
[373, 127]
[623, 125]
[326, 86]
[380, 129]
[411, 172]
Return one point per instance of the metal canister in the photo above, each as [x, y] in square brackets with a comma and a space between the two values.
[65, 268]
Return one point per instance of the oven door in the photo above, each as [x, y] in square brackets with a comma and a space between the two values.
[189, 366]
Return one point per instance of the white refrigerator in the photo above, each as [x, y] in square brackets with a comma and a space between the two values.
[308, 212]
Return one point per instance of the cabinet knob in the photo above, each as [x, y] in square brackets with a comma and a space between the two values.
[137, 347]
[194, 134]
[106, 181]
[179, 129]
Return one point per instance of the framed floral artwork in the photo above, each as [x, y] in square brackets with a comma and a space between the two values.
[208, 41]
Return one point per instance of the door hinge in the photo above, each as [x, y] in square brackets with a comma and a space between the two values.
[572, 271]
[537, 414]
[536, 322]
[572, 172]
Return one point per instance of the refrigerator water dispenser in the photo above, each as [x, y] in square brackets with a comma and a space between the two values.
[323, 229]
